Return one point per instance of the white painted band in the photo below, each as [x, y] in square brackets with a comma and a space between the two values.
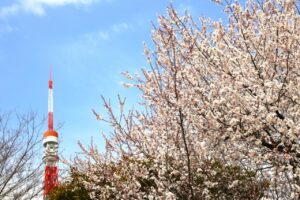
[50, 139]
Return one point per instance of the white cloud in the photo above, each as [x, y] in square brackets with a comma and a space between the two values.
[38, 7]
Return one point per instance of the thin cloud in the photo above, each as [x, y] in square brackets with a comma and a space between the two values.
[38, 7]
[94, 37]
[7, 29]
[121, 27]
[182, 8]
[103, 35]
[9, 10]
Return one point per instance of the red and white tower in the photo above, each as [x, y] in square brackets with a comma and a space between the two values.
[50, 143]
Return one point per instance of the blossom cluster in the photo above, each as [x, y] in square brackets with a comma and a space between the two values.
[225, 94]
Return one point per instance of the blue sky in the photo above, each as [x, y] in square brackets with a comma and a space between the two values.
[88, 43]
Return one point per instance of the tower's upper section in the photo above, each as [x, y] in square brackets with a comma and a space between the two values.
[50, 135]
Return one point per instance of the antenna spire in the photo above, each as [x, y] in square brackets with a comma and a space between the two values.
[50, 72]
[50, 101]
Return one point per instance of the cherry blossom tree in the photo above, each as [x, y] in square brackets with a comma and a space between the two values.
[214, 92]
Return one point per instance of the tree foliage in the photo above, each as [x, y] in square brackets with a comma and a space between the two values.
[130, 178]
[20, 173]
[73, 190]
[225, 93]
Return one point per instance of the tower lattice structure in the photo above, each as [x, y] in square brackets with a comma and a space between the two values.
[50, 143]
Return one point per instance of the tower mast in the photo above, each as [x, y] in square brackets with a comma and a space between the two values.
[50, 143]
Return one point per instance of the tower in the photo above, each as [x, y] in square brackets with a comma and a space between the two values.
[50, 143]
